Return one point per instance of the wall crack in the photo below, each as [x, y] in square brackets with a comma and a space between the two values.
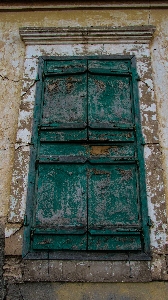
[18, 146]
[147, 85]
[6, 78]
[34, 82]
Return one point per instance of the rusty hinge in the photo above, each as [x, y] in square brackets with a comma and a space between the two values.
[39, 128]
[36, 163]
[149, 223]
[32, 233]
[25, 222]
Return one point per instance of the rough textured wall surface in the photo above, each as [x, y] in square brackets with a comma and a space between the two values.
[11, 72]
[88, 291]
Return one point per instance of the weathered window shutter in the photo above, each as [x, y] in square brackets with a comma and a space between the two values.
[87, 178]
[113, 202]
[61, 207]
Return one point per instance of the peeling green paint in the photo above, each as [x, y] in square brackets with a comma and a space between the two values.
[87, 192]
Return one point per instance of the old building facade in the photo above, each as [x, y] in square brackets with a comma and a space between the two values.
[84, 150]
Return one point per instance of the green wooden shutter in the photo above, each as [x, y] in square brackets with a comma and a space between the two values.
[113, 201]
[61, 202]
[87, 180]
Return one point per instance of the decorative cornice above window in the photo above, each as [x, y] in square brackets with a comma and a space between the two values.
[43, 5]
[86, 35]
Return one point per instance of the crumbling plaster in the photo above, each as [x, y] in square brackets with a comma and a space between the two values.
[11, 73]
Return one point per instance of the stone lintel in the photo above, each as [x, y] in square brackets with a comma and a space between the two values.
[86, 35]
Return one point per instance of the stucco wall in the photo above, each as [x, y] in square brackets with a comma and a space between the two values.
[11, 73]
[89, 291]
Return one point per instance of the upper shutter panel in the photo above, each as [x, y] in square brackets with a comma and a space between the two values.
[65, 95]
[109, 98]
[109, 66]
[66, 66]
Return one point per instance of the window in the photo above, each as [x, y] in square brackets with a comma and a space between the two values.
[88, 179]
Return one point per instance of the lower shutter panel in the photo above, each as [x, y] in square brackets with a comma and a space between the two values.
[114, 241]
[54, 241]
[113, 208]
[61, 209]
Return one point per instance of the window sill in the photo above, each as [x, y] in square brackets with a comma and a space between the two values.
[88, 256]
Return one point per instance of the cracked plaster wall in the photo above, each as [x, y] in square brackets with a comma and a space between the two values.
[11, 72]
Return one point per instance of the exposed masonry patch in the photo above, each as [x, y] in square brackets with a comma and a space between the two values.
[154, 174]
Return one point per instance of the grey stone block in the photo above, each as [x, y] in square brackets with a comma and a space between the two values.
[13, 292]
[86, 271]
[1, 289]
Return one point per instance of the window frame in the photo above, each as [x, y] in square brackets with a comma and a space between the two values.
[64, 254]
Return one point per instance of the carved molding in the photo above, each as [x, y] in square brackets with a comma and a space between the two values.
[86, 35]
[44, 5]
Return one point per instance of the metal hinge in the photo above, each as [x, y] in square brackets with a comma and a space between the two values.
[31, 234]
[43, 76]
[25, 222]
[36, 163]
[149, 223]
[143, 141]
[137, 77]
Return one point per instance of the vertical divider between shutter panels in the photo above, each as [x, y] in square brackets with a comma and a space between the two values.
[140, 152]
